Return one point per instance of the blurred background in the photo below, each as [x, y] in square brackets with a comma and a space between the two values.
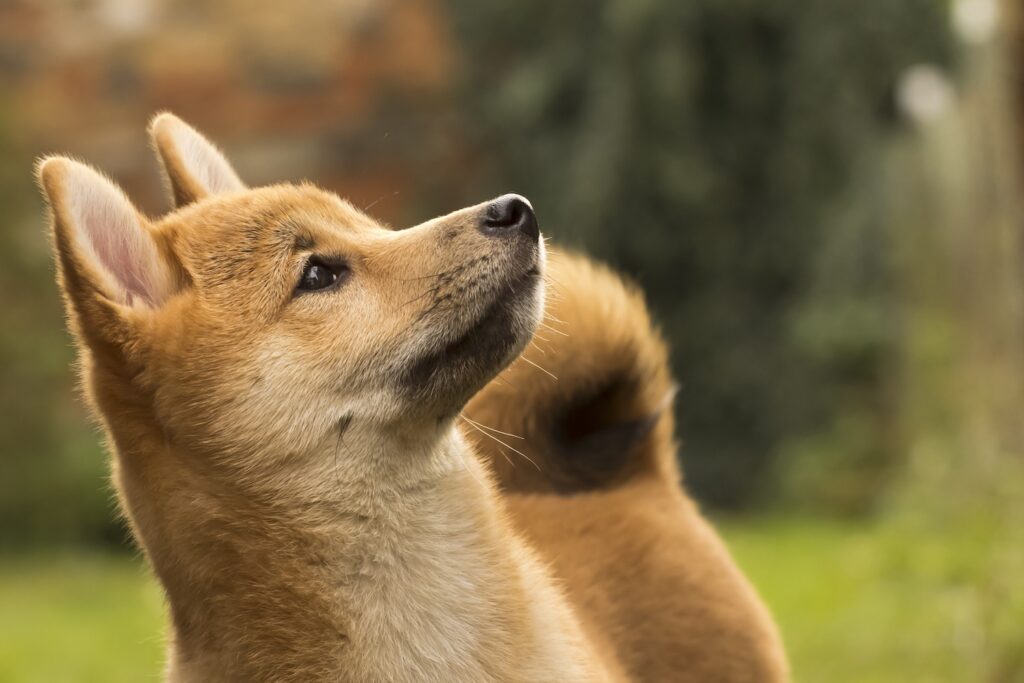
[820, 199]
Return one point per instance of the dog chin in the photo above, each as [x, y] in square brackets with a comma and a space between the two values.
[444, 380]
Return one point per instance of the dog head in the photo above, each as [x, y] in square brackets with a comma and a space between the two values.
[252, 322]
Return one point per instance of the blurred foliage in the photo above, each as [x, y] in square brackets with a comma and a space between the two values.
[962, 387]
[736, 157]
[725, 153]
[843, 291]
[52, 489]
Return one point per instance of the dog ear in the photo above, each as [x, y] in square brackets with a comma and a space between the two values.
[193, 166]
[109, 264]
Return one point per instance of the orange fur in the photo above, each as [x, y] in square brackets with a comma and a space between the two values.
[644, 570]
[303, 494]
[287, 460]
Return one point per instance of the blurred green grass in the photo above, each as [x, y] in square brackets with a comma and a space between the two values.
[857, 602]
[82, 618]
[864, 603]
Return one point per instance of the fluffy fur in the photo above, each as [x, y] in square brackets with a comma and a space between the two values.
[287, 459]
[290, 466]
[588, 461]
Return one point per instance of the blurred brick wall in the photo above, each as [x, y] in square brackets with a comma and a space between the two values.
[343, 92]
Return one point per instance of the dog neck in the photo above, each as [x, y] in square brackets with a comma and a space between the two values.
[396, 564]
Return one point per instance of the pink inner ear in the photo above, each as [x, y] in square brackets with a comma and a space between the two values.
[118, 239]
[209, 168]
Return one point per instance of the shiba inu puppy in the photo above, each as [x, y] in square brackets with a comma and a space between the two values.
[588, 465]
[278, 377]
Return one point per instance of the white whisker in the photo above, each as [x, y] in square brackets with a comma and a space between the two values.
[552, 329]
[491, 429]
[469, 468]
[546, 372]
[491, 436]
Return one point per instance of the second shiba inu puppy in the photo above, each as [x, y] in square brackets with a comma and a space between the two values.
[278, 376]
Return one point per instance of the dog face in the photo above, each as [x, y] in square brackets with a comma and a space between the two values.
[255, 321]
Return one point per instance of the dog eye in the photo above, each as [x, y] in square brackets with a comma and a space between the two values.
[317, 275]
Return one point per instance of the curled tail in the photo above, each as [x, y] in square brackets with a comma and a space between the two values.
[588, 404]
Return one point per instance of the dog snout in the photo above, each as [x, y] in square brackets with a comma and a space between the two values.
[508, 215]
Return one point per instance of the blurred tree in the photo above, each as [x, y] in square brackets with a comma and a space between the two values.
[962, 252]
[53, 468]
[725, 154]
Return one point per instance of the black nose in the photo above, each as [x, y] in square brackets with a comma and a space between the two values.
[510, 213]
